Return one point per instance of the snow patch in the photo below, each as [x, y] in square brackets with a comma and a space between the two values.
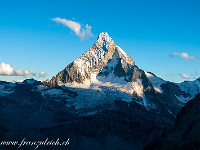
[123, 53]
[183, 99]
[112, 78]
[156, 82]
[103, 92]
[46, 92]
[191, 88]
[104, 40]
[4, 92]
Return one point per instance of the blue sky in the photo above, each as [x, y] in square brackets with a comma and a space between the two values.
[148, 30]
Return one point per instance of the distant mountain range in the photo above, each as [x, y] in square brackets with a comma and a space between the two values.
[102, 100]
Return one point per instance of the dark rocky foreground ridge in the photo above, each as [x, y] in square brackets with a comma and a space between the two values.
[102, 100]
[29, 110]
[185, 134]
[28, 113]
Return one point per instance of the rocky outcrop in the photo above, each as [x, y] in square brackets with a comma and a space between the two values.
[185, 134]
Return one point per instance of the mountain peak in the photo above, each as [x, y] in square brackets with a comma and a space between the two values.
[104, 58]
[104, 36]
[104, 40]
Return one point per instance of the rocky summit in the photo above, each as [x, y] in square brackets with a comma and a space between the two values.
[102, 100]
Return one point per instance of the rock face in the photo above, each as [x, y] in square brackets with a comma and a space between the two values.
[185, 133]
[102, 58]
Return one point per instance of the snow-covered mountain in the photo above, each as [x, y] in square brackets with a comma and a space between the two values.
[101, 98]
[106, 66]
[189, 89]
[103, 59]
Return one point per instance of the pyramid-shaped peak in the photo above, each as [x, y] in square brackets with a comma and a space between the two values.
[103, 36]
[102, 59]
[104, 40]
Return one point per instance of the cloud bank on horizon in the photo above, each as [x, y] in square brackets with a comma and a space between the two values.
[184, 56]
[11, 70]
[80, 30]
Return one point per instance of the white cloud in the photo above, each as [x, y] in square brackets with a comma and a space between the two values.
[11, 70]
[184, 76]
[183, 55]
[31, 71]
[42, 74]
[81, 31]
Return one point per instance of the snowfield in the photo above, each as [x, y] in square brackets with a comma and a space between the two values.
[99, 91]
[189, 90]
[156, 82]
